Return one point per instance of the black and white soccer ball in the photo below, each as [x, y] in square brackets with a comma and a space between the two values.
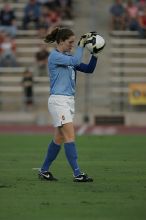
[95, 43]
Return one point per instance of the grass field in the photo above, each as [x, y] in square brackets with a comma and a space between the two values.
[117, 163]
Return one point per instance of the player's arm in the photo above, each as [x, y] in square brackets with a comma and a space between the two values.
[66, 60]
[88, 68]
[75, 60]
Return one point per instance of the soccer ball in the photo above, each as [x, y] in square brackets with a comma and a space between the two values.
[95, 43]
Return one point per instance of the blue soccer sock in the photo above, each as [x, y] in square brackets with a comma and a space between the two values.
[71, 154]
[52, 153]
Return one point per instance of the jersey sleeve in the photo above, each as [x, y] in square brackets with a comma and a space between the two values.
[88, 68]
[66, 60]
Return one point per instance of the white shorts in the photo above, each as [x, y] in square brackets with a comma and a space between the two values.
[61, 109]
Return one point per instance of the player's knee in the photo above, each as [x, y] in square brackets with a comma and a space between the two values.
[59, 140]
[69, 137]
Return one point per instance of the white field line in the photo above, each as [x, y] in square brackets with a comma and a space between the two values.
[36, 168]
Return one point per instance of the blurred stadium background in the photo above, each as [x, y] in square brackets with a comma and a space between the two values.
[115, 95]
[109, 102]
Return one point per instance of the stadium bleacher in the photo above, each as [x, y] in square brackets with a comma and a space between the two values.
[27, 44]
[128, 65]
[124, 56]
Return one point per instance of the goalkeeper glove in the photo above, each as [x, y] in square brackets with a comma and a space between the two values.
[82, 41]
[83, 38]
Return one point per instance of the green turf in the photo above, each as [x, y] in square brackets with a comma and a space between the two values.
[117, 163]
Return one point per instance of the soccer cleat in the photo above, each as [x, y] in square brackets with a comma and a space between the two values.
[82, 178]
[46, 175]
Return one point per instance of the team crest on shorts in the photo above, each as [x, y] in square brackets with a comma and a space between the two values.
[63, 117]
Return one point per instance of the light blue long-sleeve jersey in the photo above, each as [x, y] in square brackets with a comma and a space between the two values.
[62, 71]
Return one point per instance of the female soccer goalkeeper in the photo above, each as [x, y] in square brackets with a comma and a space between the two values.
[62, 72]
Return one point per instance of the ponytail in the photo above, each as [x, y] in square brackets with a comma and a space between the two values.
[50, 38]
[58, 34]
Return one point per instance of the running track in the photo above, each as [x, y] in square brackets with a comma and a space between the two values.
[80, 130]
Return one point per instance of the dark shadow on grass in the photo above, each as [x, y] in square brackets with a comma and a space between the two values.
[5, 186]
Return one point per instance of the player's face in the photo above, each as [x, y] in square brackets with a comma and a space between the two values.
[68, 44]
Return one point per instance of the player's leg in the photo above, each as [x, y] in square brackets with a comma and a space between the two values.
[53, 150]
[58, 136]
[68, 133]
[69, 145]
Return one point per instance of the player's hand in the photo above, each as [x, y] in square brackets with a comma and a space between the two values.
[83, 40]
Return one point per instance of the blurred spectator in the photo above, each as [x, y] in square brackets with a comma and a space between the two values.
[54, 17]
[131, 16]
[49, 17]
[142, 23]
[51, 14]
[27, 83]
[31, 14]
[42, 60]
[43, 21]
[7, 51]
[42, 2]
[50, 4]
[117, 11]
[141, 4]
[8, 20]
[47, 3]
[66, 9]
